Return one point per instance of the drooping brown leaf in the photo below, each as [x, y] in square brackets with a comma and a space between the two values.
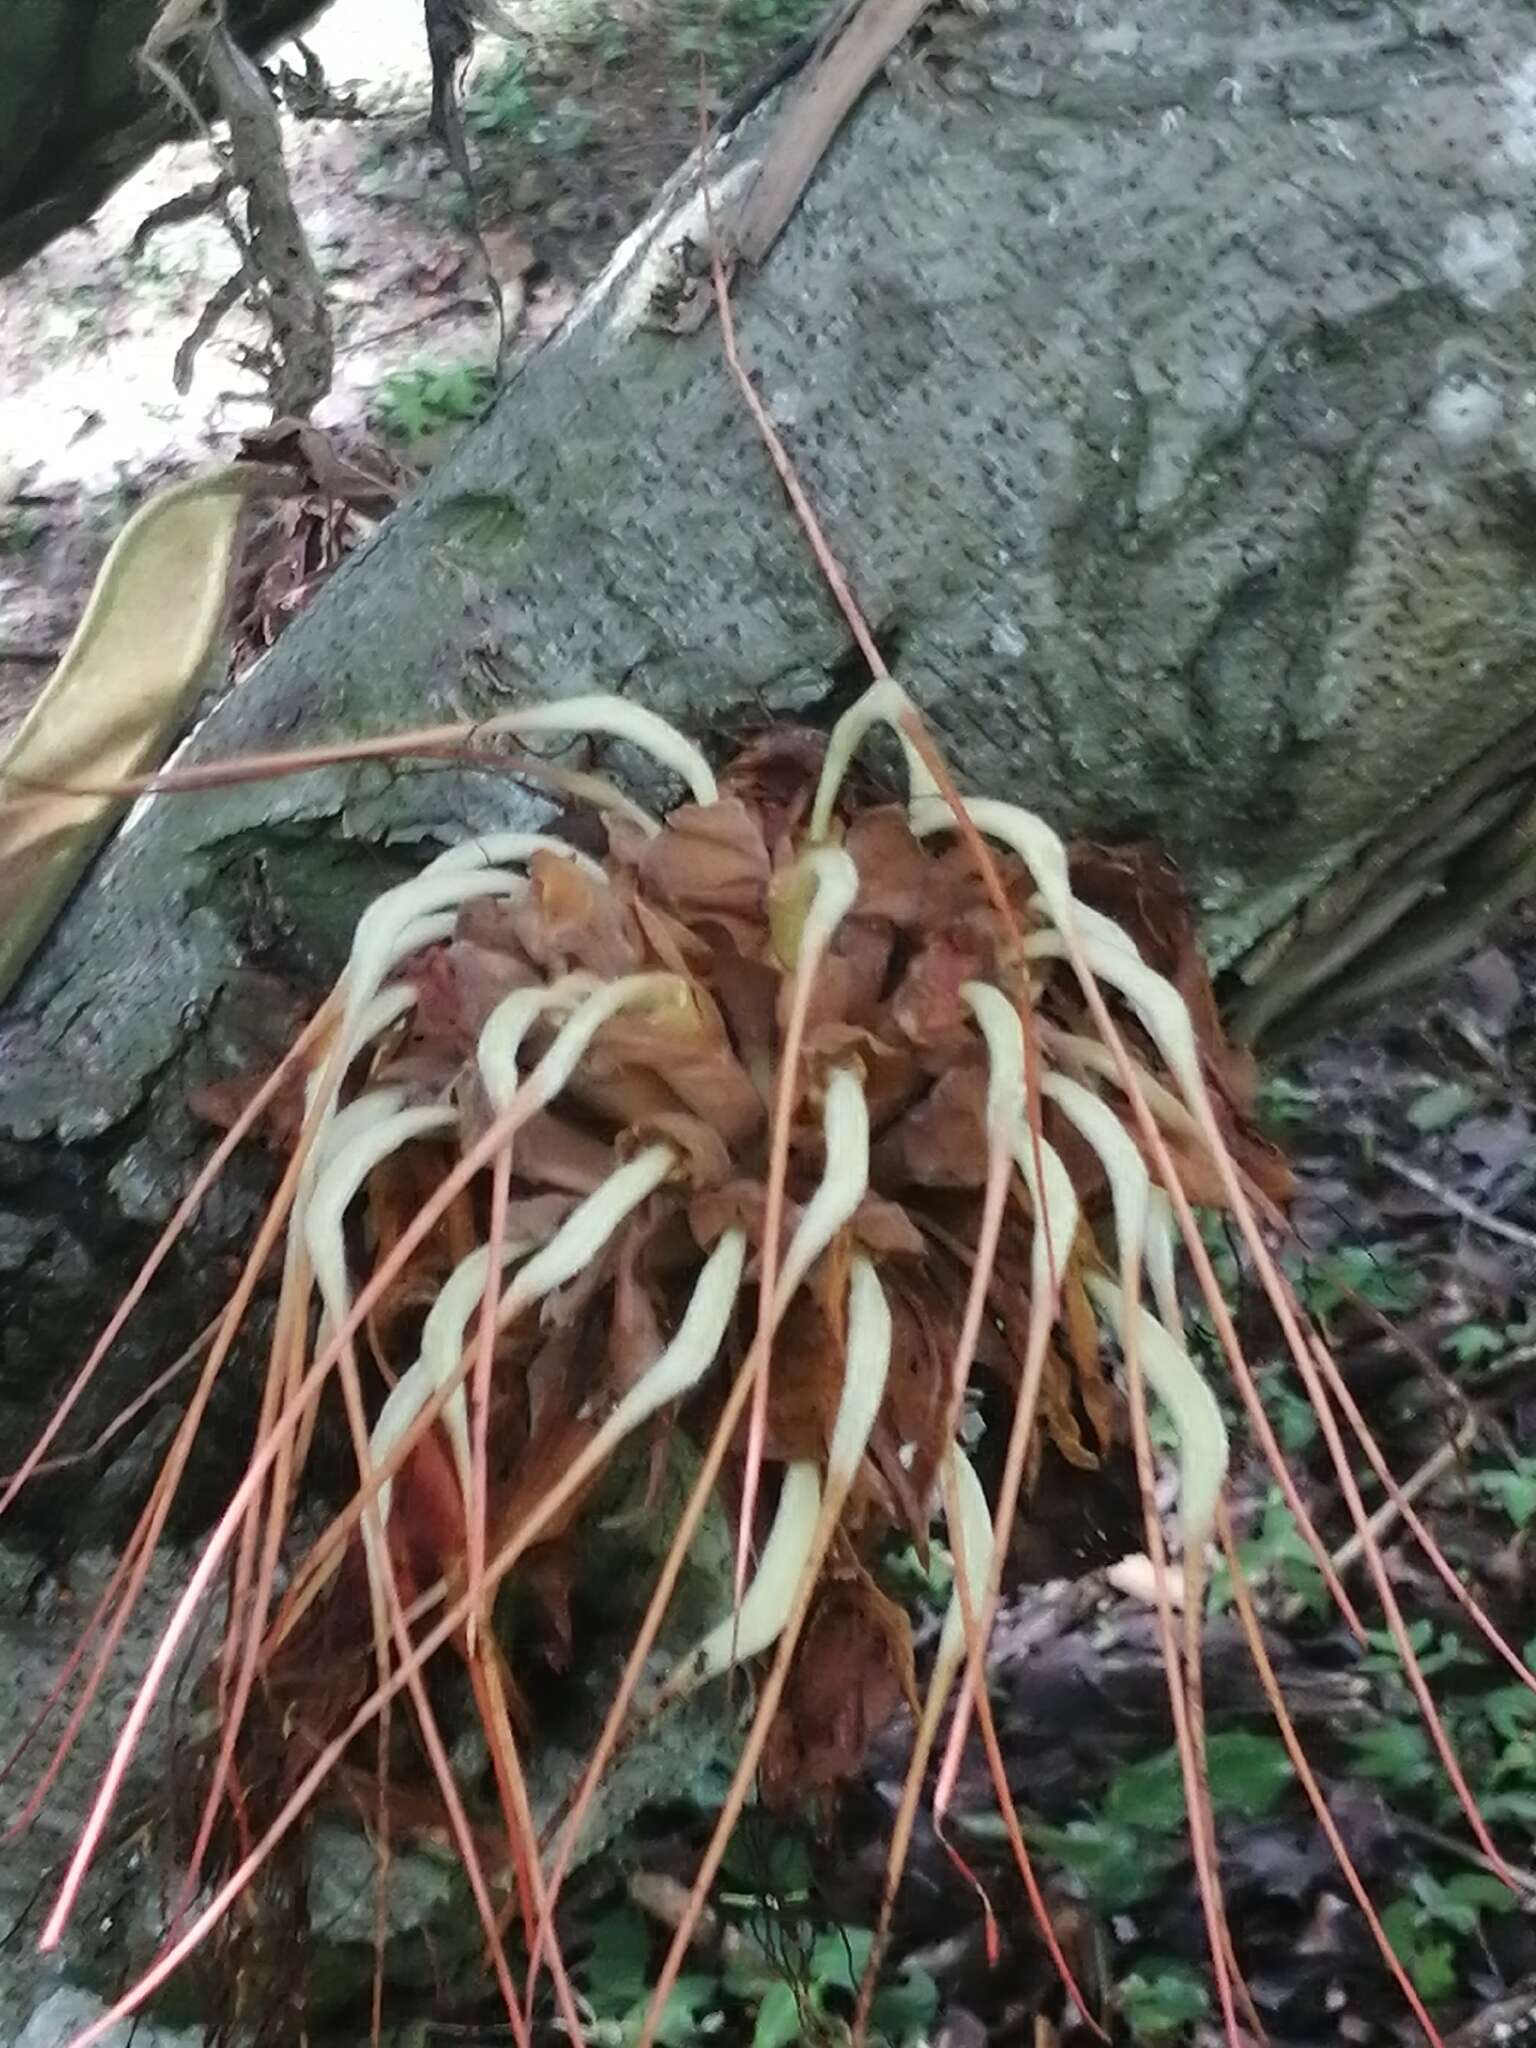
[852, 1672]
[1093, 1388]
[643, 1065]
[941, 1141]
[567, 921]
[709, 866]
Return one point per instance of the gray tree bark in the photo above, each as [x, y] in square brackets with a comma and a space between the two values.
[1164, 374]
[1168, 388]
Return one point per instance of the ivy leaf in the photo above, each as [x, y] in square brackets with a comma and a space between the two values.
[1118, 1866]
[1148, 1795]
[617, 1969]
[1437, 1108]
[904, 2011]
[1161, 1997]
[691, 2000]
[1514, 1489]
[839, 1957]
[778, 2018]
[1248, 1774]
[1396, 1753]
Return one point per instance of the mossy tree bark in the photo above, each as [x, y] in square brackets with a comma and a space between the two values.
[1168, 388]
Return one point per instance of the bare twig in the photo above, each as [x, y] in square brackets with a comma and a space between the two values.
[277, 268]
[450, 40]
[294, 297]
[184, 206]
[1390, 1512]
[224, 300]
[1469, 1212]
[1503, 2025]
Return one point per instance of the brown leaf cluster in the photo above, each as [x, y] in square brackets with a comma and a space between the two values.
[711, 898]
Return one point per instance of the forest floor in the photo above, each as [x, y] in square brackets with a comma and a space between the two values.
[572, 126]
[1412, 1137]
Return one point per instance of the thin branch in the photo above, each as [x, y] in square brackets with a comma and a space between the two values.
[1469, 1212]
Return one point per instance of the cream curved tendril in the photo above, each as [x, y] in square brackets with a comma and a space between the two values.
[500, 849]
[1189, 1402]
[883, 703]
[442, 1346]
[621, 720]
[679, 1369]
[845, 1137]
[867, 1358]
[806, 1516]
[598, 1002]
[764, 1607]
[1190, 1406]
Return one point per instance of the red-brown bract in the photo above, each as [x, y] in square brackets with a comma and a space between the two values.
[803, 1120]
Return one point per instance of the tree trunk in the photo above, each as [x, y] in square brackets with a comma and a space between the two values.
[77, 115]
[1168, 389]
[1169, 392]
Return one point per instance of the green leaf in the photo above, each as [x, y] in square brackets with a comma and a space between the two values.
[1514, 1489]
[1431, 1963]
[904, 2011]
[1396, 1753]
[1438, 1108]
[1520, 1806]
[1374, 1274]
[1474, 1342]
[764, 1861]
[1509, 1711]
[839, 1956]
[691, 2000]
[1248, 1774]
[1149, 1794]
[616, 1971]
[1161, 1997]
[1482, 1891]
[778, 2018]
[1118, 1866]
[1441, 1906]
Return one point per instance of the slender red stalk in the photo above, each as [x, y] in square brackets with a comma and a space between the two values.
[1254, 1636]
[185, 1210]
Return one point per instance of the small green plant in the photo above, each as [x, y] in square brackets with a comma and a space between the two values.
[1278, 1552]
[501, 101]
[1160, 1998]
[1492, 1728]
[793, 1985]
[427, 399]
[810, 2007]
[1123, 1853]
[1427, 1926]
[734, 35]
[508, 102]
[907, 1577]
[1376, 1274]
[1288, 1406]
[1284, 1106]
[1476, 1343]
[1511, 1487]
[615, 1980]
[20, 529]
